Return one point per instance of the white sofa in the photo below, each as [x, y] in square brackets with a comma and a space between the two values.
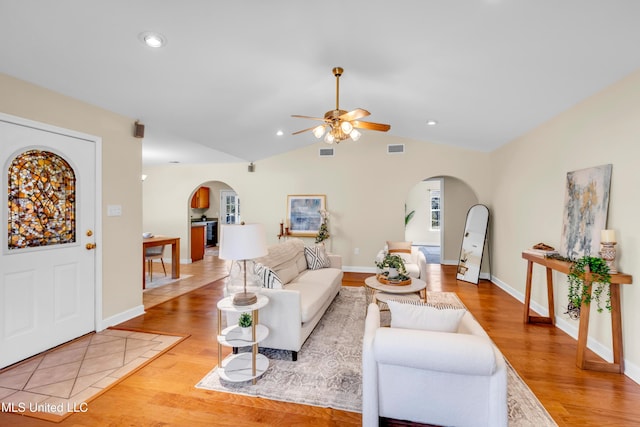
[294, 310]
[443, 378]
[415, 262]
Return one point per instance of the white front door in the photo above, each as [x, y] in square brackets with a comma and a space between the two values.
[47, 262]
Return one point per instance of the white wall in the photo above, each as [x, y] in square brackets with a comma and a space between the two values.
[366, 189]
[528, 188]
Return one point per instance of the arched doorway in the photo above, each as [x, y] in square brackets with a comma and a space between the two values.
[210, 204]
[439, 205]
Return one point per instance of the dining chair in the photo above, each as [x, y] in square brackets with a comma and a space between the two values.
[154, 252]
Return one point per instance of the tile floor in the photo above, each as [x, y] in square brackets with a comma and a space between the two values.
[49, 384]
[62, 380]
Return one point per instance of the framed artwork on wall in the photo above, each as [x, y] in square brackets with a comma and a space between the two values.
[586, 205]
[303, 214]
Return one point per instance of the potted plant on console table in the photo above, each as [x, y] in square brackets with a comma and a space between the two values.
[578, 289]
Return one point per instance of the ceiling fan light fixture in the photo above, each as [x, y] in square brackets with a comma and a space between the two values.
[318, 131]
[328, 138]
[355, 135]
[347, 127]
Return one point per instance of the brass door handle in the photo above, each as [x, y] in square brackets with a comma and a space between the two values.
[90, 246]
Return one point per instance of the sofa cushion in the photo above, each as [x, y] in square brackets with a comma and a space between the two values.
[399, 247]
[287, 271]
[409, 315]
[315, 287]
[316, 257]
[268, 277]
[282, 253]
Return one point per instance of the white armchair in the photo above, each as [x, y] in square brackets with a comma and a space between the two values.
[432, 377]
[415, 262]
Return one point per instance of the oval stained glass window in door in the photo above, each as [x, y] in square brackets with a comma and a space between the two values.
[42, 200]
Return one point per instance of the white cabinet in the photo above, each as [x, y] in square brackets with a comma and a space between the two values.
[242, 366]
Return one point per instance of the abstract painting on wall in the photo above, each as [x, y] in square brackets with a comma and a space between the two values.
[585, 211]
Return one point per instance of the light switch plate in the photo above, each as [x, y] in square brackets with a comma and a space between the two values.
[114, 210]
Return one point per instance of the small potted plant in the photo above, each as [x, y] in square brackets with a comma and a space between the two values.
[245, 322]
[392, 266]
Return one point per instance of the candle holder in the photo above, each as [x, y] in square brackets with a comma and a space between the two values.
[608, 253]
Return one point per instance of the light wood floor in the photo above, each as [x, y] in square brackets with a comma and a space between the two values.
[163, 392]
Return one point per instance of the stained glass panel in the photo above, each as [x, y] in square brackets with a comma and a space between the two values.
[42, 200]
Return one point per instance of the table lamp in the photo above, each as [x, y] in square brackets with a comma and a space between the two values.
[242, 242]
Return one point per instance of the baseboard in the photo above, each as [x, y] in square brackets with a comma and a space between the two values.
[570, 327]
[120, 317]
[358, 269]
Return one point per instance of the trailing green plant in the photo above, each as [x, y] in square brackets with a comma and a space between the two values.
[393, 261]
[601, 279]
[245, 320]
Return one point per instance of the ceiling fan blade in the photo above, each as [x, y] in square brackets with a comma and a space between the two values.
[306, 117]
[371, 126]
[304, 130]
[355, 114]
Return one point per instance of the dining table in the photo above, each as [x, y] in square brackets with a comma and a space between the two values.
[148, 242]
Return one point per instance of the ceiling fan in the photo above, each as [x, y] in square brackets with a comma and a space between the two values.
[340, 124]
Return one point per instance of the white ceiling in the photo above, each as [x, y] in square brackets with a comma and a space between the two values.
[233, 72]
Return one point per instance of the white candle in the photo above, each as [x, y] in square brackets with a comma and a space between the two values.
[607, 236]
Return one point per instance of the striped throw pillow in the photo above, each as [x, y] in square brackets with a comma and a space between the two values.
[268, 277]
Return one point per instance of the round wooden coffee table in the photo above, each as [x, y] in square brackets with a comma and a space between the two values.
[379, 293]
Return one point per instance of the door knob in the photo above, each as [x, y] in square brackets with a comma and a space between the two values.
[90, 246]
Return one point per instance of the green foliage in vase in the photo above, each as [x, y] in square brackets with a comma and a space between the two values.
[323, 231]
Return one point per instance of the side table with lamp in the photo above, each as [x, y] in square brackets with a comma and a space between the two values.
[241, 243]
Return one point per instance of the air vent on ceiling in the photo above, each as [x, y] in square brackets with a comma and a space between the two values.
[326, 152]
[395, 148]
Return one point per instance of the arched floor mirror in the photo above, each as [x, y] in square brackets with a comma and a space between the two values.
[473, 241]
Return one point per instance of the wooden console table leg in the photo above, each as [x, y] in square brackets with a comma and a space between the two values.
[527, 292]
[616, 327]
[616, 331]
[528, 318]
[550, 304]
[583, 330]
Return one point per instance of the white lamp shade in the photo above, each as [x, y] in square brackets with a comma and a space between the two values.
[242, 241]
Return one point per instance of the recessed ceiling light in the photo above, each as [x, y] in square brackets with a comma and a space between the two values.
[279, 133]
[152, 39]
[432, 122]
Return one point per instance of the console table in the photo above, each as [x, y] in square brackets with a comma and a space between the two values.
[583, 332]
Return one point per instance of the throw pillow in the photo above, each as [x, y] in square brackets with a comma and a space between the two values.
[268, 277]
[424, 316]
[403, 247]
[316, 257]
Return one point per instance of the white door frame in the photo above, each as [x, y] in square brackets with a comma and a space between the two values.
[98, 199]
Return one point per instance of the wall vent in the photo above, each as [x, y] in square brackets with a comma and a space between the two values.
[395, 148]
[326, 152]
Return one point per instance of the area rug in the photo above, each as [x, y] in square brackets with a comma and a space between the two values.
[59, 382]
[328, 370]
[160, 281]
